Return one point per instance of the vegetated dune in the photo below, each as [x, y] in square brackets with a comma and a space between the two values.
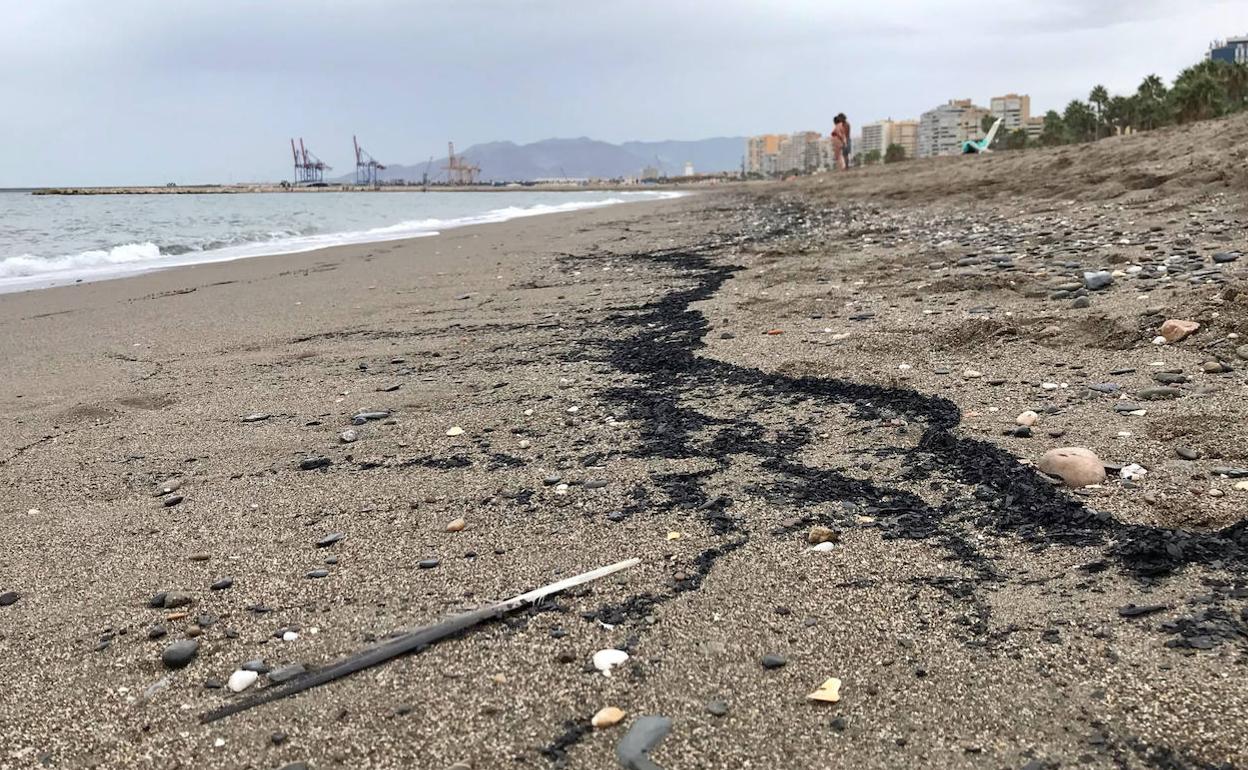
[1172, 163]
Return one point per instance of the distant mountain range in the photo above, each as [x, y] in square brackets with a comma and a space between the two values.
[580, 158]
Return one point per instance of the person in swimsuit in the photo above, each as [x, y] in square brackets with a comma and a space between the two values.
[840, 142]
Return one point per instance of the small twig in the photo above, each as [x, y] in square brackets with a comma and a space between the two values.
[414, 641]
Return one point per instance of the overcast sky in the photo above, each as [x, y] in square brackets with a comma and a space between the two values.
[150, 91]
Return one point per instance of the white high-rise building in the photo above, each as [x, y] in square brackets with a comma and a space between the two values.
[942, 130]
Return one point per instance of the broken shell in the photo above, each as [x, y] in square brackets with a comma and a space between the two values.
[828, 692]
[607, 717]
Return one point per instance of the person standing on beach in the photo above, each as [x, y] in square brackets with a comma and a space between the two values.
[840, 141]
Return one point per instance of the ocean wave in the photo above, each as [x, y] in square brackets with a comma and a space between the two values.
[26, 270]
[26, 265]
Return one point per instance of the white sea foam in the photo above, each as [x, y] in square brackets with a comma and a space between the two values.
[29, 271]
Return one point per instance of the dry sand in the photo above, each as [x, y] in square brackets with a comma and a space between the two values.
[971, 608]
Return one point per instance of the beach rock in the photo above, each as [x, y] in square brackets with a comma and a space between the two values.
[9, 597]
[1175, 329]
[717, 708]
[362, 417]
[428, 563]
[180, 654]
[1186, 453]
[240, 680]
[456, 525]
[819, 534]
[317, 573]
[312, 463]
[286, 673]
[1027, 418]
[1076, 466]
[773, 661]
[222, 584]
[257, 417]
[174, 600]
[1222, 257]
[645, 734]
[348, 436]
[156, 632]
[1096, 280]
[607, 717]
[166, 487]
[455, 431]
[1158, 394]
[1079, 303]
[330, 539]
[605, 660]
[1242, 352]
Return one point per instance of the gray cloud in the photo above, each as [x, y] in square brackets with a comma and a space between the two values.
[145, 91]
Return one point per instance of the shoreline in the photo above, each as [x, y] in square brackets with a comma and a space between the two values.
[79, 276]
[242, 189]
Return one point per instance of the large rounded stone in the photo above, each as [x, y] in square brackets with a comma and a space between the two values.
[1076, 466]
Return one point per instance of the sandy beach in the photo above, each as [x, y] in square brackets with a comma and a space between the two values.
[708, 384]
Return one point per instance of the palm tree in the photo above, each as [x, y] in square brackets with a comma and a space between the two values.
[1151, 105]
[1099, 98]
[1197, 97]
[1079, 120]
[1120, 113]
[1054, 131]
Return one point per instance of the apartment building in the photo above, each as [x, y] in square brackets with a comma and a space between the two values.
[879, 135]
[1013, 109]
[801, 152]
[943, 129]
[1232, 50]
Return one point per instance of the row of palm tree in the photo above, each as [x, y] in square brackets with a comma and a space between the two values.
[1206, 90]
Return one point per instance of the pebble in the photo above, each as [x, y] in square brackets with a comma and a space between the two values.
[773, 661]
[156, 632]
[971, 374]
[240, 680]
[1097, 279]
[607, 717]
[312, 463]
[222, 584]
[330, 539]
[645, 734]
[173, 600]
[1027, 418]
[1077, 466]
[9, 597]
[455, 431]
[363, 417]
[257, 417]
[1132, 472]
[348, 436]
[428, 563]
[1187, 454]
[605, 660]
[1158, 394]
[820, 534]
[180, 654]
[456, 525]
[167, 486]
[1175, 329]
[317, 573]
[172, 500]
[717, 708]
[286, 673]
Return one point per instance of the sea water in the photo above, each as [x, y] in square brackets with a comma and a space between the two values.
[47, 240]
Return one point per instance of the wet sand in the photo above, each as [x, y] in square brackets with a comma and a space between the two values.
[727, 372]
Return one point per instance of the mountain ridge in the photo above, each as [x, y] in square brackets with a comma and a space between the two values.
[579, 157]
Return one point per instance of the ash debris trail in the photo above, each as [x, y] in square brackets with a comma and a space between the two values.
[657, 346]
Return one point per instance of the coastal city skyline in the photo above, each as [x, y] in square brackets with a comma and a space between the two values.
[132, 93]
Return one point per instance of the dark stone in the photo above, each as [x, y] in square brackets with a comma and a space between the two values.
[156, 632]
[1158, 394]
[180, 654]
[312, 463]
[428, 563]
[1186, 453]
[171, 501]
[1136, 610]
[9, 597]
[717, 708]
[222, 584]
[317, 573]
[642, 737]
[257, 665]
[277, 738]
[171, 601]
[330, 539]
[772, 661]
[286, 673]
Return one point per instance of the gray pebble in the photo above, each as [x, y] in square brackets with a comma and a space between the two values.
[642, 737]
[180, 654]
